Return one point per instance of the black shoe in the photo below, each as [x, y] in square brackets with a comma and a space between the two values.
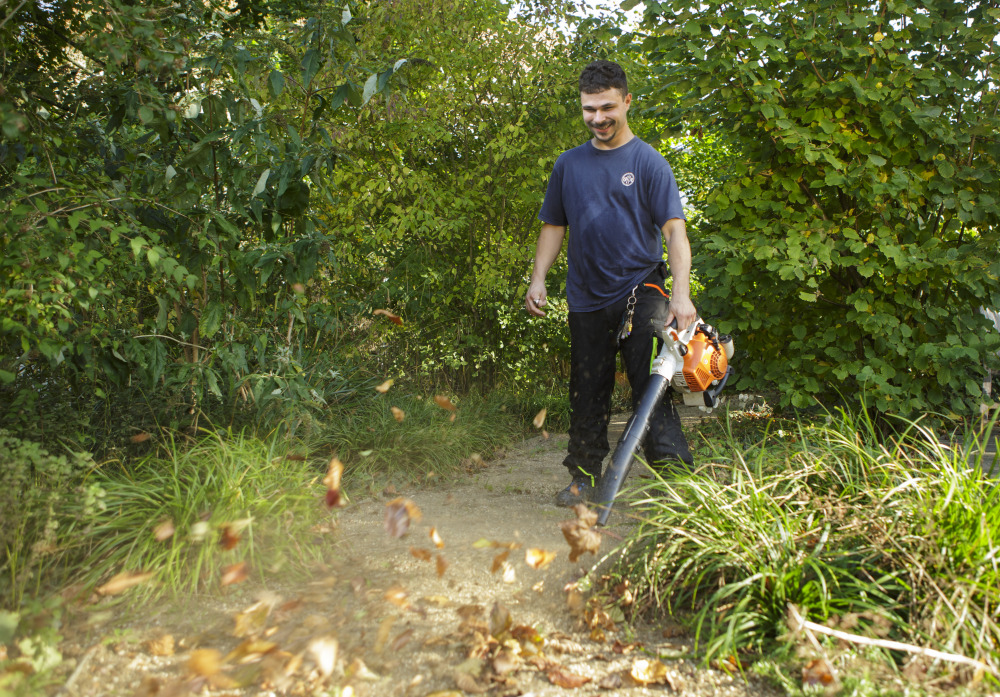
[579, 490]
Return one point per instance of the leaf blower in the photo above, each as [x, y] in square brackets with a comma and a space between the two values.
[694, 361]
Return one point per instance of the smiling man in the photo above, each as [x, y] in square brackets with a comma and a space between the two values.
[617, 197]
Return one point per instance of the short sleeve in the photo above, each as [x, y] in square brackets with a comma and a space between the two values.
[553, 211]
[665, 197]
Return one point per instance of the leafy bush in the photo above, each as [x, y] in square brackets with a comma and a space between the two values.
[897, 538]
[855, 235]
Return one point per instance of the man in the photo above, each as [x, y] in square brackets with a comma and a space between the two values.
[617, 196]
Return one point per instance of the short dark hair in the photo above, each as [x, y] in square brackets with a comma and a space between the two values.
[603, 75]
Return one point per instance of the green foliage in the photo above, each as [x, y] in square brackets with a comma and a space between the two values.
[34, 485]
[890, 539]
[436, 213]
[852, 242]
[156, 175]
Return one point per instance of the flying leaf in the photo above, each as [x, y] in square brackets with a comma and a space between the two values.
[398, 414]
[324, 651]
[162, 645]
[396, 319]
[205, 663]
[444, 402]
[538, 558]
[435, 538]
[253, 620]
[539, 418]
[500, 620]
[398, 596]
[140, 437]
[421, 553]
[164, 530]
[235, 573]
[123, 581]
[499, 560]
[332, 482]
[298, 288]
[384, 387]
[442, 565]
[398, 514]
[580, 532]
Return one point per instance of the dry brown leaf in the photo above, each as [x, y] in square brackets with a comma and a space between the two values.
[393, 317]
[499, 560]
[164, 530]
[299, 288]
[401, 640]
[452, 417]
[398, 414]
[140, 437]
[398, 514]
[334, 472]
[559, 676]
[500, 619]
[398, 596]
[123, 581]
[611, 681]
[580, 532]
[818, 672]
[228, 539]
[384, 387]
[205, 663]
[538, 558]
[382, 636]
[253, 620]
[623, 648]
[435, 538]
[421, 553]
[539, 419]
[467, 683]
[575, 599]
[648, 672]
[506, 661]
[295, 457]
[235, 573]
[442, 565]
[162, 645]
[444, 402]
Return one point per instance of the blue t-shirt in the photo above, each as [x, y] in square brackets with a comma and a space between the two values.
[615, 203]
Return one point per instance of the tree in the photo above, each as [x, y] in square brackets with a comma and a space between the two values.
[853, 244]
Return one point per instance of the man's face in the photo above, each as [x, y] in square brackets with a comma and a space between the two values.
[606, 115]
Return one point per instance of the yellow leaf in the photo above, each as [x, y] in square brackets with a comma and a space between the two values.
[384, 387]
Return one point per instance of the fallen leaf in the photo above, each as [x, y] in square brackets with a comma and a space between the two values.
[394, 317]
[505, 661]
[500, 619]
[622, 648]
[398, 596]
[539, 419]
[253, 620]
[561, 677]
[164, 530]
[398, 414]
[421, 553]
[235, 573]
[435, 538]
[382, 636]
[384, 387]
[538, 558]
[467, 683]
[817, 672]
[334, 473]
[499, 560]
[140, 437]
[444, 402]
[250, 651]
[575, 600]
[442, 565]
[580, 532]
[162, 645]
[401, 640]
[648, 672]
[123, 581]
[611, 681]
[295, 457]
[204, 663]
[398, 514]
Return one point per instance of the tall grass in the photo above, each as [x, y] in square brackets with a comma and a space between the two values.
[894, 537]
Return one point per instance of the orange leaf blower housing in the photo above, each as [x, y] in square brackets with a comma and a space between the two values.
[706, 367]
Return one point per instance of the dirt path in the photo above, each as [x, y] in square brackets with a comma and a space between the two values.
[381, 621]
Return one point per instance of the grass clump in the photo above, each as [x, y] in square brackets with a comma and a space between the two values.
[892, 537]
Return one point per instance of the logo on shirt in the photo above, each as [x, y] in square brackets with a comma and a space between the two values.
[628, 179]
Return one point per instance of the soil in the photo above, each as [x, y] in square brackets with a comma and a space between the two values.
[379, 620]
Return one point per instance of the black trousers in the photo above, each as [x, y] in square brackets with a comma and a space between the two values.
[594, 346]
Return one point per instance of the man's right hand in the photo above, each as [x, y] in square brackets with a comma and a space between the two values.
[535, 298]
